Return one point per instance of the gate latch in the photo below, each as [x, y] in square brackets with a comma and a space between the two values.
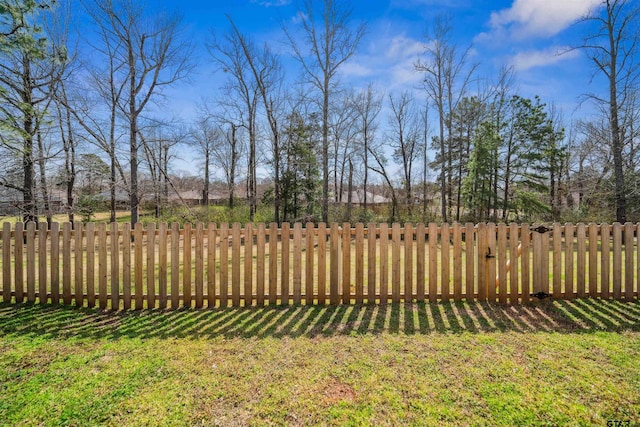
[488, 255]
[541, 295]
[541, 229]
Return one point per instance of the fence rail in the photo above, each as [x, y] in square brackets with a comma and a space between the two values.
[165, 266]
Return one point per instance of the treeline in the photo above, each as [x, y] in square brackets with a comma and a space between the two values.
[80, 111]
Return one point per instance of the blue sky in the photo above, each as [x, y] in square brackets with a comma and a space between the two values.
[525, 34]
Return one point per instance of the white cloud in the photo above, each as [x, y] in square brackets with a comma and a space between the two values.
[541, 58]
[388, 60]
[538, 18]
[272, 3]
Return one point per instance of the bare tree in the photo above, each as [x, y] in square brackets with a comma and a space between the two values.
[150, 55]
[266, 71]
[613, 48]
[205, 136]
[368, 105]
[328, 42]
[404, 136]
[446, 79]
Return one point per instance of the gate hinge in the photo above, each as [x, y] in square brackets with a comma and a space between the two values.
[488, 255]
[541, 295]
[541, 229]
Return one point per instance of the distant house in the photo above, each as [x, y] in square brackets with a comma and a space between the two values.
[357, 198]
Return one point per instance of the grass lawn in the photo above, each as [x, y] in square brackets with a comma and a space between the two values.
[553, 363]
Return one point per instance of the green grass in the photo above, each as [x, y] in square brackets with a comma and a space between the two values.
[554, 363]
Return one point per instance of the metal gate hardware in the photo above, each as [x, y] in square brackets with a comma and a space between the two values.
[541, 295]
[541, 229]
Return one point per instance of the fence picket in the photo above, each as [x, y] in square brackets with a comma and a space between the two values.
[115, 267]
[581, 237]
[224, 265]
[359, 263]
[138, 265]
[211, 264]
[420, 262]
[557, 260]
[78, 263]
[322, 263]
[593, 260]
[199, 265]
[514, 255]
[42, 262]
[445, 268]
[628, 260]
[126, 265]
[102, 265]
[31, 262]
[605, 260]
[151, 265]
[175, 265]
[371, 262]
[334, 257]
[470, 277]
[395, 262]
[90, 231]
[617, 261]
[186, 265]
[273, 263]
[162, 265]
[568, 260]
[248, 265]
[384, 260]
[502, 263]
[457, 262]
[525, 262]
[235, 263]
[433, 262]
[66, 264]
[309, 236]
[482, 262]
[260, 261]
[55, 264]
[408, 263]
[284, 263]
[6, 261]
[297, 263]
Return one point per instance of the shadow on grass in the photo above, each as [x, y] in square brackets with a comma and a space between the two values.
[576, 316]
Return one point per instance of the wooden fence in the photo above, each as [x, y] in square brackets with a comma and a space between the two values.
[115, 266]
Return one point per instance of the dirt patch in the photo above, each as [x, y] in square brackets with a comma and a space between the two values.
[336, 391]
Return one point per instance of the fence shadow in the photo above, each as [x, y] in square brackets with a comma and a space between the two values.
[576, 316]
